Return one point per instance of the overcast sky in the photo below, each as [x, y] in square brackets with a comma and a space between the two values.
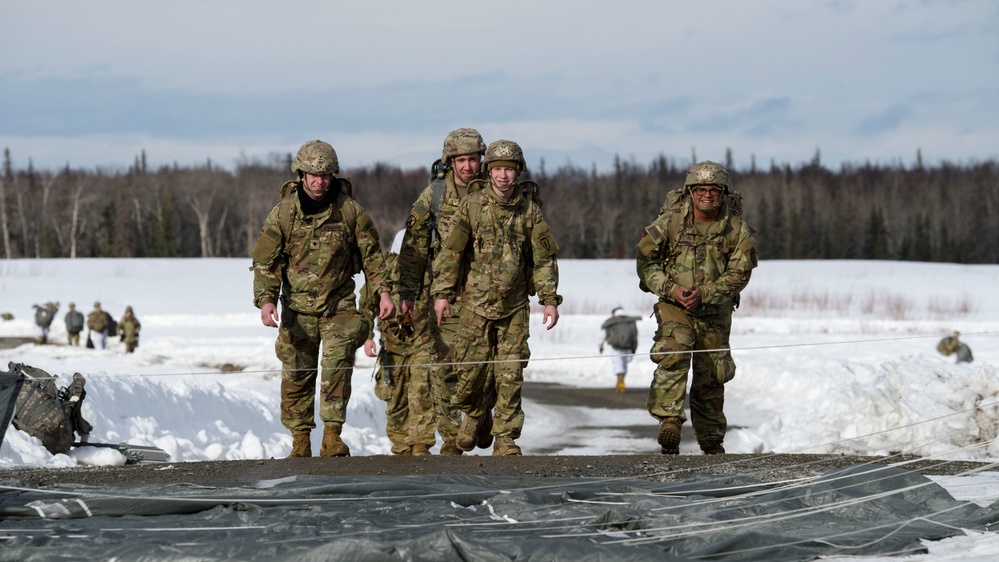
[94, 83]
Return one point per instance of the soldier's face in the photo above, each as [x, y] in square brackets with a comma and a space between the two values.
[503, 179]
[466, 167]
[706, 197]
[316, 186]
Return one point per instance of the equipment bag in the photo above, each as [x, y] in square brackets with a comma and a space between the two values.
[45, 412]
[622, 332]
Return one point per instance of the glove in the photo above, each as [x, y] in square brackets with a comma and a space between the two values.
[601, 348]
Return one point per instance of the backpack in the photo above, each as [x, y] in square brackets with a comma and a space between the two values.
[622, 332]
[74, 322]
[112, 324]
[672, 214]
[43, 316]
[51, 415]
[347, 212]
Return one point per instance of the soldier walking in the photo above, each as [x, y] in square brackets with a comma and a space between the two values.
[433, 211]
[621, 334]
[43, 320]
[128, 330]
[500, 238]
[405, 361]
[311, 245]
[98, 323]
[74, 325]
[696, 257]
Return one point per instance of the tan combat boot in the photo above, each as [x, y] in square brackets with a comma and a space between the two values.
[669, 436]
[332, 445]
[449, 449]
[620, 384]
[505, 447]
[467, 433]
[420, 450]
[301, 445]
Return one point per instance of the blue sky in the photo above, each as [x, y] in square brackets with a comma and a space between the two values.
[93, 84]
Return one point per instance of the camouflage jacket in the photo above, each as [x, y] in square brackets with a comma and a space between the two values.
[508, 249]
[311, 268]
[128, 328]
[719, 262]
[421, 234]
[401, 334]
[98, 320]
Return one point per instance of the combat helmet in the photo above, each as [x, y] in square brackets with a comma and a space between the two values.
[462, 141]
[708, 173]
[316, 157]
[505, 153]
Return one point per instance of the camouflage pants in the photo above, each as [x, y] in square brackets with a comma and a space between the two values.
[504, 341]
[297, 347]
[680, 333]
[443, 378]
[409, 410]
[73, 338]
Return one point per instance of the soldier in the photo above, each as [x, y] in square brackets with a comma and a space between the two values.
[951, 345]
[128, 330]
[312, 244]
[74, 325]
[621, 333]
[500, 237]
[460, 164]
[405, 361]
[696, 257]
[98, 323]
[43, 320]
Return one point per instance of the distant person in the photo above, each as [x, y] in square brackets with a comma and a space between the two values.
[128, 330]
[74, 324]
[406, 359]
[697, 257]
[951, 345]
[312, 244]
[98, 326]
[621, 333]
[44, 314]
[460, 164]
[499, 236]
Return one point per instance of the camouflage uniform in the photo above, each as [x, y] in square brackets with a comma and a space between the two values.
[311, 268]
[74, 325]
[506, 246]
[420, 245]
[128, 329]
[98, 322]
[407, 354]
[718, 258]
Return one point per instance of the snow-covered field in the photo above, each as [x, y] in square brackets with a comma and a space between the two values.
[833, 357]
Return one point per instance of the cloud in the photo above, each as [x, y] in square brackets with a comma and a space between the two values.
[888, 120]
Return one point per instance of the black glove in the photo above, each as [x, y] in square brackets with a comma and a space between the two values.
[601, 348]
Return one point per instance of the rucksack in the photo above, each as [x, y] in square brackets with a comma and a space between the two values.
[112, 324]
[74, 322]
[51, 415]
[672, 214]
[43, 316]
[622, 332]
[347, 212]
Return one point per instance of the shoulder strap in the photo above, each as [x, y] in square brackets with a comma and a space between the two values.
[284, 211]
[437, 188]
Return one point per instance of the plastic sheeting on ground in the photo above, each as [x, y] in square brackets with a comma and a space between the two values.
[864, 510]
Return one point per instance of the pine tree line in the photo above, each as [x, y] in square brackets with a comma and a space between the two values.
[948, 213]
